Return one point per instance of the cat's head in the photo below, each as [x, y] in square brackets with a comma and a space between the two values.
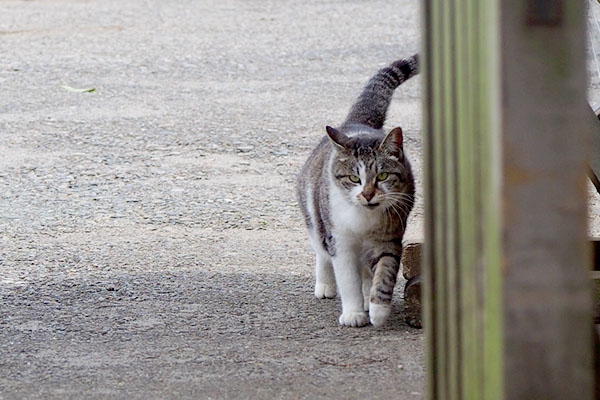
[371, 170]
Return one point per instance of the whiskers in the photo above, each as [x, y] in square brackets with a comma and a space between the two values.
[398, 196]
[398, 204]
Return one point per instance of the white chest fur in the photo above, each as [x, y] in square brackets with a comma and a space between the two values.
[350, 219]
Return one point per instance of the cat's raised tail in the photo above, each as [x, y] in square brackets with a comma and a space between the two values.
[373, 102]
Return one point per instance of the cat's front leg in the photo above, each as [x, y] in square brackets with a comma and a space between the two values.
[384, 280]
[347, 276]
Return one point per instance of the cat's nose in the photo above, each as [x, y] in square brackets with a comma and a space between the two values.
[368, 195]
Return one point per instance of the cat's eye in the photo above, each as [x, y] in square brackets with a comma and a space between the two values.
[382, 176]
[354, 178]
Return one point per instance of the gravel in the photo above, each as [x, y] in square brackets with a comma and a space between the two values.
[151, 246]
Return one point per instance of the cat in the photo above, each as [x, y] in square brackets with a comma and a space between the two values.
[356, 190]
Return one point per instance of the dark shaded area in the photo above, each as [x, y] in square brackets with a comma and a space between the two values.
[193, 333]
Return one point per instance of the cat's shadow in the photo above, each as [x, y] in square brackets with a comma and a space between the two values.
[330, 309]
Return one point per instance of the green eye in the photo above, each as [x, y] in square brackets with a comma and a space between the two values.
[382, 176]
[354, 178]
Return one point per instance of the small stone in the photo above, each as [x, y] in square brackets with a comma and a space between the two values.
[245, 149]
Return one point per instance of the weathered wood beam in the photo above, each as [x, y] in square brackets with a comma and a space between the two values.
[545, 142]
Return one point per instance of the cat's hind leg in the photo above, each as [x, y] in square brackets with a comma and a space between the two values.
[325, 278]
[367, 282]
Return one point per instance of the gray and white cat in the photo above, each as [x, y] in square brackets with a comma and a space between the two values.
[356, 191]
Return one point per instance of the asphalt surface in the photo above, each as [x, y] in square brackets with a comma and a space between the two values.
[151, 246]
[150, 242]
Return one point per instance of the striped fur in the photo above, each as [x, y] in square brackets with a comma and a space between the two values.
[356, 190]
[372, 104]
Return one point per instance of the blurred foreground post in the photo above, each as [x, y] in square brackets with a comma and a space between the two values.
[507, 291]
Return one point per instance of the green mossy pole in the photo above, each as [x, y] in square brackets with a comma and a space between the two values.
[463, 280]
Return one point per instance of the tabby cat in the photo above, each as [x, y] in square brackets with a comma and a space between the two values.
[356, 190]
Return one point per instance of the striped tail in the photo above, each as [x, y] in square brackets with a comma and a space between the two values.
[372, 104]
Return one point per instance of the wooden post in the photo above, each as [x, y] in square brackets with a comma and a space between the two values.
[462, 307]
[545, 141]
[507, 303]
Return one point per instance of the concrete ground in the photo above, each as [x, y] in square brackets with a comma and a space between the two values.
[150, 243]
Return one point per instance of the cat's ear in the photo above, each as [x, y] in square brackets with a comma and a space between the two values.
[393, 142]
[337, 137]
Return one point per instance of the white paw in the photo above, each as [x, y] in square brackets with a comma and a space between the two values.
[378, 313]
[324, 290]
[354, 319]
[366, 304]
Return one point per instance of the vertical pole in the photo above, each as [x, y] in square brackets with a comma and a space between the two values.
[462, 274]
[548, 343]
